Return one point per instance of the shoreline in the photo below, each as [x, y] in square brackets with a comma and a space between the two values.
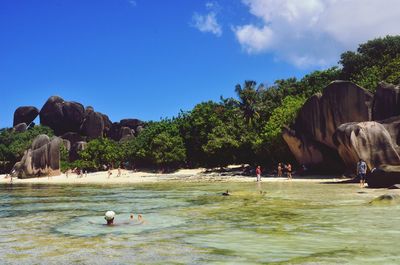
[185, 175]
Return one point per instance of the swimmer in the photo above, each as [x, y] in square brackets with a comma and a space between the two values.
[141, 220]
[226, 193]
[109, 216]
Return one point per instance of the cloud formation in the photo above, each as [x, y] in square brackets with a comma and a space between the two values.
[314, 32]
[208, 22]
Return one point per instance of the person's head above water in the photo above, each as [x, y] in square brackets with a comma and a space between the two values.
[109, 216]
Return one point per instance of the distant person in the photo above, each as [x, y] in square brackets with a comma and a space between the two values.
[109, 216]
[226, 193]
[289, 171]
[67, 173]
[109, 173]
[119, 172]
[362, 172]
[141, 220]
[85, 172]
[258, 173]
[280, 170]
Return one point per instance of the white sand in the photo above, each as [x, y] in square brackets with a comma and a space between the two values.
[127, 176]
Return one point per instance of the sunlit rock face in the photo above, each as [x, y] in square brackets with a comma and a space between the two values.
[311, 137]
[41, 159]
[345, 123]
[370, 141]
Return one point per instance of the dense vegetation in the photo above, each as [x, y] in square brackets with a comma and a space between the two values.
[245, 129]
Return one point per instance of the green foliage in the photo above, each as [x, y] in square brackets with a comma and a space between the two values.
[64, 159]
[13, 144]
[99, 152]
[160, 144]
[375, 61]
[245, 129]
[271, 141]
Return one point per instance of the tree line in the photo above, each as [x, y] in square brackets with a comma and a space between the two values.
[245, 129]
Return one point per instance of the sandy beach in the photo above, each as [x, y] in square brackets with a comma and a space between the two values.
[190, 175]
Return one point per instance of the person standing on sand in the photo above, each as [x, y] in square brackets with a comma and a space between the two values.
[119, 172]
[279, 170]
[258, 173]
[361, 172]
[289, 171]
[109, 173]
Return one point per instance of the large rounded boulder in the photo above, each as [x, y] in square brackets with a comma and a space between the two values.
[93, 125]
[62, 116]
[41, 159]
[386, 101]
[25, 114]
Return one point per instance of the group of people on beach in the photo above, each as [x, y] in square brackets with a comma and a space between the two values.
[281, 169]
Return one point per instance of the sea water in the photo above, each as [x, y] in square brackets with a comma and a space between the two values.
[192, 223]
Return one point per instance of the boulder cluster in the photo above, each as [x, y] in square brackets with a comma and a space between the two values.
[74, 125]
[345, 123]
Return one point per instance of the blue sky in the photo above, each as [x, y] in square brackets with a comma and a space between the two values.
[149, 59]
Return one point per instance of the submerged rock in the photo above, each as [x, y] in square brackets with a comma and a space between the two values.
[386, 198]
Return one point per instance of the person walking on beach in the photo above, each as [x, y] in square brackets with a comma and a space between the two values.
[280, 170]
[362, 172]
[119, 172]
[258, 173]
[289, 171]
[109, 173]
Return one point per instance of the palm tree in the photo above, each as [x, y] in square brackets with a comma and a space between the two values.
[248, 101]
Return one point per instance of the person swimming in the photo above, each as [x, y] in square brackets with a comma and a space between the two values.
[109, 216]
[226, 193]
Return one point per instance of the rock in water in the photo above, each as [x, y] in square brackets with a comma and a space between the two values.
[25, 114]
[61, 116]
[42, 159]
[386, 199]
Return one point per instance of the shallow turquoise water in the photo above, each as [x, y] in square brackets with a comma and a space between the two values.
[191, 223]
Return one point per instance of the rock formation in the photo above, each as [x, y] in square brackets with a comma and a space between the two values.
[386, 101]
[75, 149]
[41, 159]
[74, 124]
[92, 125]
[310, 138]
[62, 116]
[20, 127]
[345, 123]
[25, 114]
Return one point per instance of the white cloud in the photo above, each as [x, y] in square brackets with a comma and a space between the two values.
[315, 32]
[208, 22]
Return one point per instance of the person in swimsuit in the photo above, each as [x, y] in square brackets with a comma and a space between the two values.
[289, 171]
[279, 170]
[258, 173]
